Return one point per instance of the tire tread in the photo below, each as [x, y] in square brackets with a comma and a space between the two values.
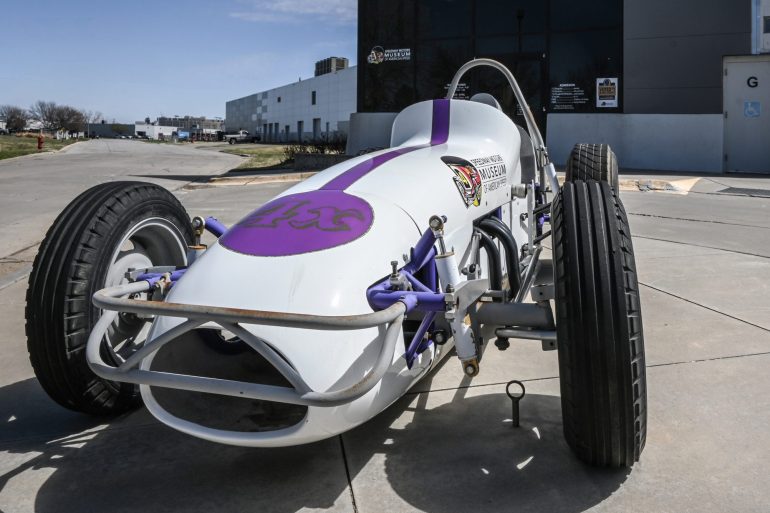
[59, 313]
[601, 348]
[592, 162]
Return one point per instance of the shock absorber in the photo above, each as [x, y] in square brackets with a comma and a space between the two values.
[449, 276]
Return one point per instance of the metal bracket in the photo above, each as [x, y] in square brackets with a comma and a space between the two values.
[543, 292]
[531, 220]
[133, 274]
[547, 337]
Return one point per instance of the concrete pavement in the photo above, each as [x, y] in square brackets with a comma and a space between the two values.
[34, 189]
[704, 266]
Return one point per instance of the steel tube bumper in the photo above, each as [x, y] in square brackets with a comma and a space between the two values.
[113, 301]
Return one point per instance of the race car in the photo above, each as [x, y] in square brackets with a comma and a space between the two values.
[322, 307]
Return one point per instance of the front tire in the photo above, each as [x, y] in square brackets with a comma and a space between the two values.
[599, 326]
[100, 235]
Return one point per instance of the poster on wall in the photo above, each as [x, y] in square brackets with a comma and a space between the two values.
[461, 93]
[606, 93]
[567, 97]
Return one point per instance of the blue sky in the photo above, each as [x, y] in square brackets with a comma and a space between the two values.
[137, 58]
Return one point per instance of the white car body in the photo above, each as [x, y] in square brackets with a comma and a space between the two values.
[403, 193]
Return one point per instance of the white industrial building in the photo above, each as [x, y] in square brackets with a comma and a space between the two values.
[154, 132]
[313, 109]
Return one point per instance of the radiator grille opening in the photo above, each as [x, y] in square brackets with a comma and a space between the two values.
[217, 354]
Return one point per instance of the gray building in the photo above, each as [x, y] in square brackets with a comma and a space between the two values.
[110, 130]
[313, 109]
[673, 85]
[190, 123]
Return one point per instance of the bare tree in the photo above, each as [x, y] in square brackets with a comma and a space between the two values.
[45, 112]
[92, 116]
[58, 117]
[15, 117]
[68, 118]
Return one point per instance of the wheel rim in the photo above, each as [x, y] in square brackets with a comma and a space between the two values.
[151, 242]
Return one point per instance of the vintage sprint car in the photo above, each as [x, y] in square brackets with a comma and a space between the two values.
[324, 306]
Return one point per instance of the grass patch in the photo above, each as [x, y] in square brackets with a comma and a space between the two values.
[13, 146]
[260, 156]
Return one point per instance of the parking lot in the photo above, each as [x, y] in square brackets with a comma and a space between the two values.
[703, 255]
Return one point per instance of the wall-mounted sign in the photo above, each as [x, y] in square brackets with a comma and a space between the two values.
[752, 109]
[378, 55]
[567, 97]
[461, 93]
[606, 93]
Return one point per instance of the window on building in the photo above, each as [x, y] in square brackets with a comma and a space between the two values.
[571, 15]
[445, 19]
[312, 98]
[767, 24]
[279, 99]
[504, 17]
[578, 58]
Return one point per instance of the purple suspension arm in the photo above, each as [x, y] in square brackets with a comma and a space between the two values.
[215, 227]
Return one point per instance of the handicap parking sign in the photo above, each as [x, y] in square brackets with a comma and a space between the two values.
[752, 109]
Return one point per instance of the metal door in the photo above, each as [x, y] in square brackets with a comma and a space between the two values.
[316, 129]
[747, 114]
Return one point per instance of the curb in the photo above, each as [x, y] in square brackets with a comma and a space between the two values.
[652, 185]
[231, 181]
[647, 185]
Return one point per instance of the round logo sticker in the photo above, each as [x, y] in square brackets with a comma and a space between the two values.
[301, 223]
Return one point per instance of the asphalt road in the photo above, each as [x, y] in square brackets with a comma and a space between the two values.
[704, 268]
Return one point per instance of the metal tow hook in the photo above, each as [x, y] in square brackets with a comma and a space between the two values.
[515, 400]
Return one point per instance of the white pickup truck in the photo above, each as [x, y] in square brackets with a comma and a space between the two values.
[241, 136]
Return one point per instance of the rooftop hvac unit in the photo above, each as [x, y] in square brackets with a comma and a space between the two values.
[761, 26]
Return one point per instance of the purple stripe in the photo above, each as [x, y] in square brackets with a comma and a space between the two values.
[352, 175]
[440, 129]
[439, 135]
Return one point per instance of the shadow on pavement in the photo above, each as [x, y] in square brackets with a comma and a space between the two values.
[137, 464]
[465, 455]
[458, 456]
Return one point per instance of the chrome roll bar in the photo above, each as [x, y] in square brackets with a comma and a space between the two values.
[544, 162]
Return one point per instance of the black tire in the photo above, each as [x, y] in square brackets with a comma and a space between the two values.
[593, 162]
[231, 141]
[70, 266]
[599, 326]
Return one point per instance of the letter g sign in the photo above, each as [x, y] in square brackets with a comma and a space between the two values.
[752, 82]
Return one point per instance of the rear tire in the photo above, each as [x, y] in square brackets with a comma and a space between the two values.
[593, 162]
[106, 228]
[599, 326]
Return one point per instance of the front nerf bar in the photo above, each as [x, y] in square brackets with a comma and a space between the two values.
[113, 301]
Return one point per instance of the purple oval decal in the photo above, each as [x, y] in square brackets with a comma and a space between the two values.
[301, 223]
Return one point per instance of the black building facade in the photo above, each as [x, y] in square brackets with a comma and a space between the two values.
[409, 50]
